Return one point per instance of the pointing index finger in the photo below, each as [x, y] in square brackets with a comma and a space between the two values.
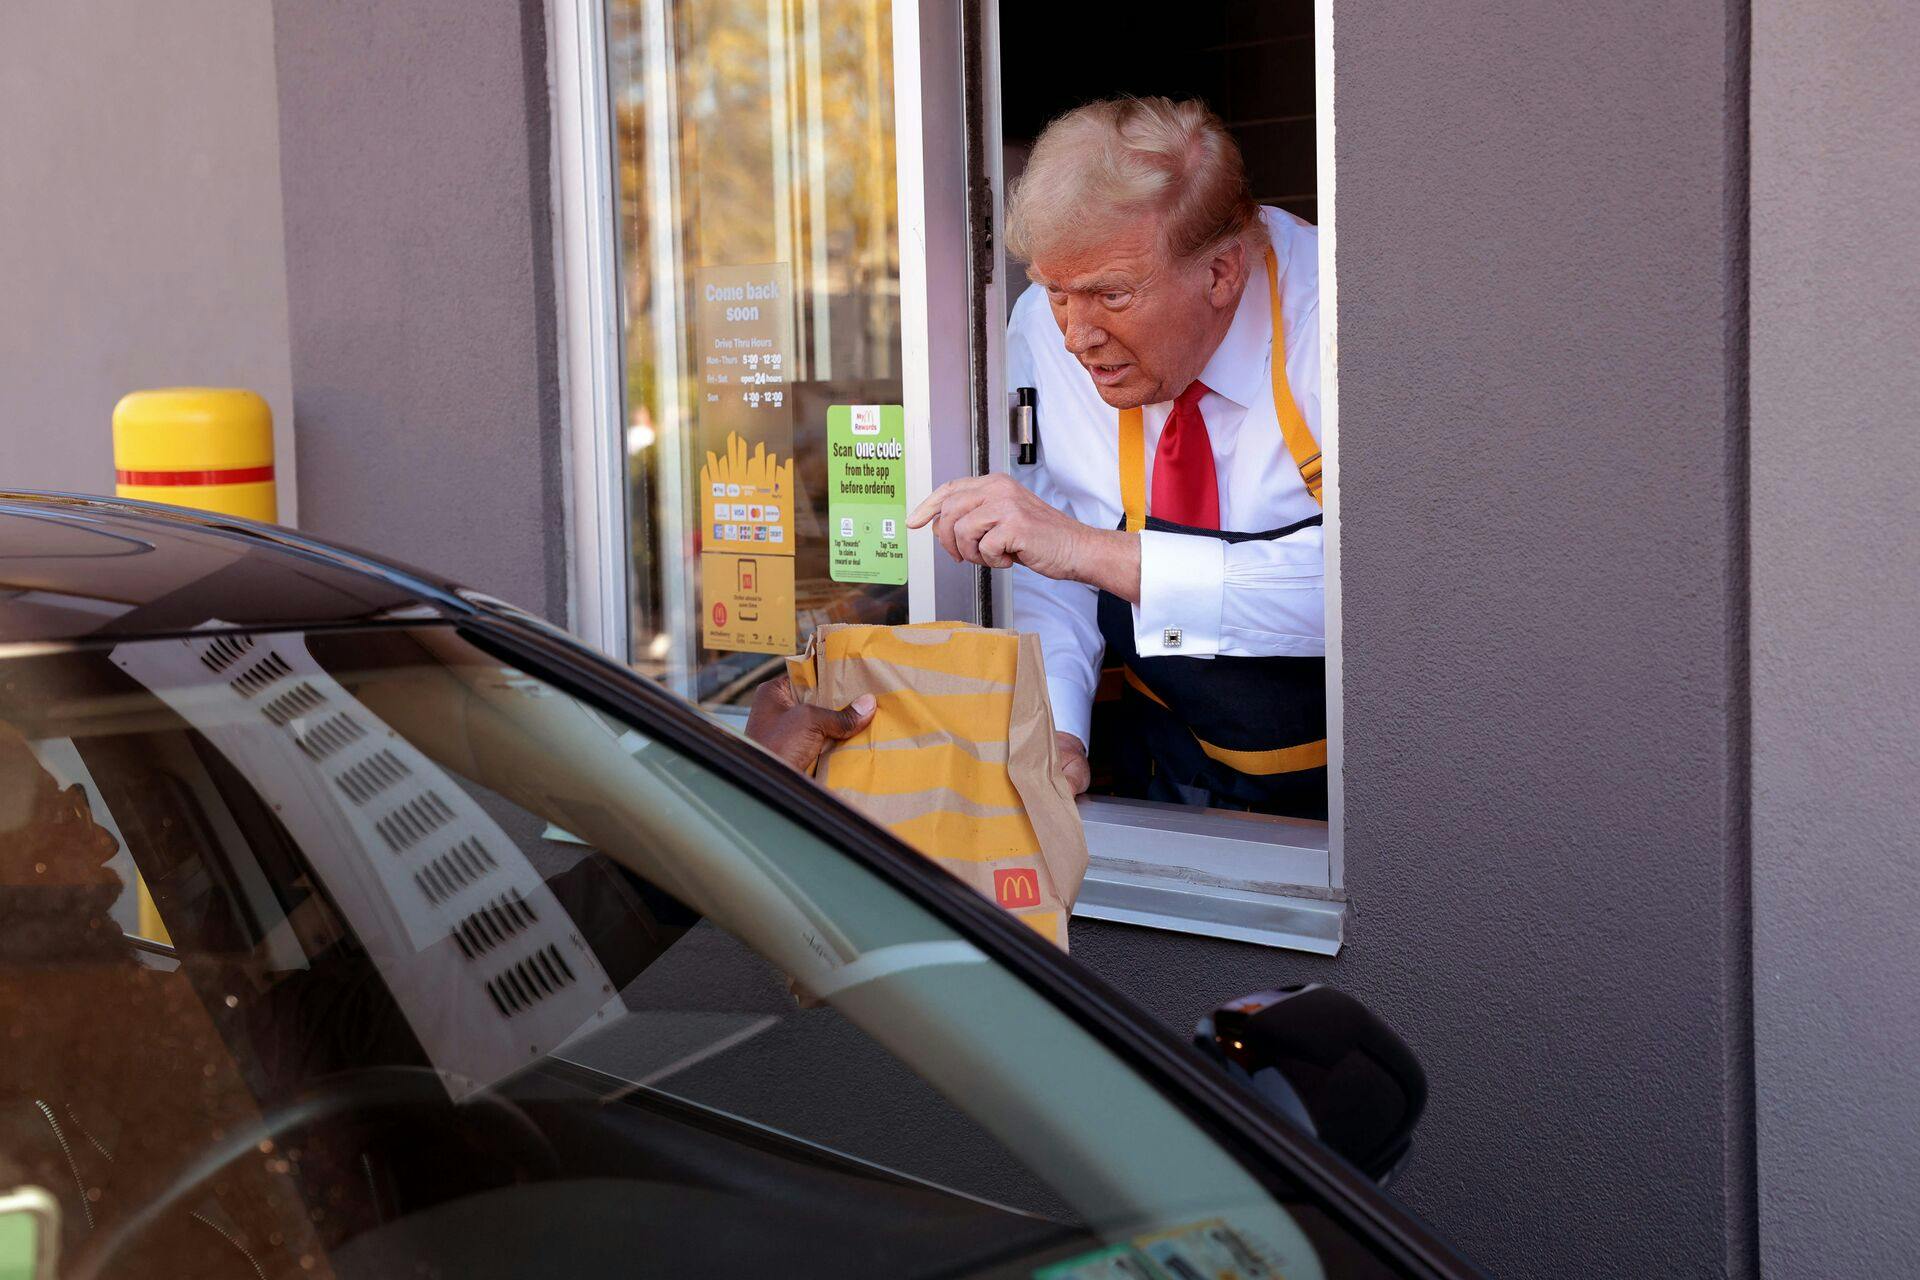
[929, 506]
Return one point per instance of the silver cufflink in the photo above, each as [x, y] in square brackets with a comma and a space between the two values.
[1170, 638]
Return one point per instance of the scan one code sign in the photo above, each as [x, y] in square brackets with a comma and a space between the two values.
[867, 493]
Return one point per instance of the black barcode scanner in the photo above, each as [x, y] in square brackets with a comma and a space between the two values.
[1026, 427]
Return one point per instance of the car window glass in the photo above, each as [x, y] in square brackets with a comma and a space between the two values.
[457, 957]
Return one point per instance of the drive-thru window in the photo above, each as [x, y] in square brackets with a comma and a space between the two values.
[785, 299]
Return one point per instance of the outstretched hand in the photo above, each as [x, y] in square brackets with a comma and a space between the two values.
[798, 732]
[994, 521]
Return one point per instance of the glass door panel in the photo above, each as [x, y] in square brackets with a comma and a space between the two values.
[760, 285]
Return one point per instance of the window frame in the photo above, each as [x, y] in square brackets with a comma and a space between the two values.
[586, 268]
[1206, 873]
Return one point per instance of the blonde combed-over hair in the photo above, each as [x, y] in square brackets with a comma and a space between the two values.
[1107, 163]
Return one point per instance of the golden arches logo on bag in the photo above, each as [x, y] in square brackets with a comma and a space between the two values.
[1012, 889]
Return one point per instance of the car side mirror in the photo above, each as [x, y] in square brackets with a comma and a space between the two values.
[1329, 1064]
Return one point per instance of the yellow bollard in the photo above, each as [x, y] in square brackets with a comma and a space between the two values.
[204, 447]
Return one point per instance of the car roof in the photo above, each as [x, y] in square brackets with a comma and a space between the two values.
[76, 568]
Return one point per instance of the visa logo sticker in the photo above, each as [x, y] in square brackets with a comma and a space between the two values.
[1016, 887]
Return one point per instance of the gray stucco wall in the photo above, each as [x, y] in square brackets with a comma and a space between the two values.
[1542, 492]
[140, 211]
[1836, 609]
[414, 152]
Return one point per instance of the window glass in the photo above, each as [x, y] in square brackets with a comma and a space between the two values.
[469, 978]
[760, 284]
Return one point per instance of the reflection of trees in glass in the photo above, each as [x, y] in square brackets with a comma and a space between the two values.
[786, 152]
[784, 134]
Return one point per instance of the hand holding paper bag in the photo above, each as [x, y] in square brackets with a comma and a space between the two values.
[800, 732]
[959, 759]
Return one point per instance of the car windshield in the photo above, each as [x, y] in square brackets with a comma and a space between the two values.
[366, 953]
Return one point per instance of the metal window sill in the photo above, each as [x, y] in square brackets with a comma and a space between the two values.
[1242, 877]
[1161, 898]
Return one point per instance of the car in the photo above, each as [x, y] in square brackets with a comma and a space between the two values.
[358, 924]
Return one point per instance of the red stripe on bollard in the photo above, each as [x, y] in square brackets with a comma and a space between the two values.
[233, 475]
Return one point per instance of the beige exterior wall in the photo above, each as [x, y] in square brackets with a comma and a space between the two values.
[140, 223]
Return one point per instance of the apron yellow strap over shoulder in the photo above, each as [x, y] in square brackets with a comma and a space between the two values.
[1293, 425]
[1133, 469]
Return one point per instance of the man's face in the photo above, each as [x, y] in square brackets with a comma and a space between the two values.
[1142, 325]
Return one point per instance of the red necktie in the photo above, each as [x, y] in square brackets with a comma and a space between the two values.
[1184, 488]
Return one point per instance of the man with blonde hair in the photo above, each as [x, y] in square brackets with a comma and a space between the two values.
[1172, 520]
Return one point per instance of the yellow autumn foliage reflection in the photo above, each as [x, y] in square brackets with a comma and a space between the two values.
[750, 131]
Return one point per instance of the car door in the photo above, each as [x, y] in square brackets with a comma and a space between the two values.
[488, 958]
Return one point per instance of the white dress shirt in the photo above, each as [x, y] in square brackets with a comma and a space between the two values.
[1251, 599]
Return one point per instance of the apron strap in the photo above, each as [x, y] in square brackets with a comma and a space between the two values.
[1259, 764]
[1293, 425]
[1133, 468]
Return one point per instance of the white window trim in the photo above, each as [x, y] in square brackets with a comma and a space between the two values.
[586, 265]
[1323, 97]
[931, 185]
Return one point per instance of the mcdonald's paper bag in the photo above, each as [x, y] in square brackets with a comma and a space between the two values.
[959, 759]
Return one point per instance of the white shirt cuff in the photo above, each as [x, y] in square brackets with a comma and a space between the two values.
[1072, 708]
[1182, 583]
